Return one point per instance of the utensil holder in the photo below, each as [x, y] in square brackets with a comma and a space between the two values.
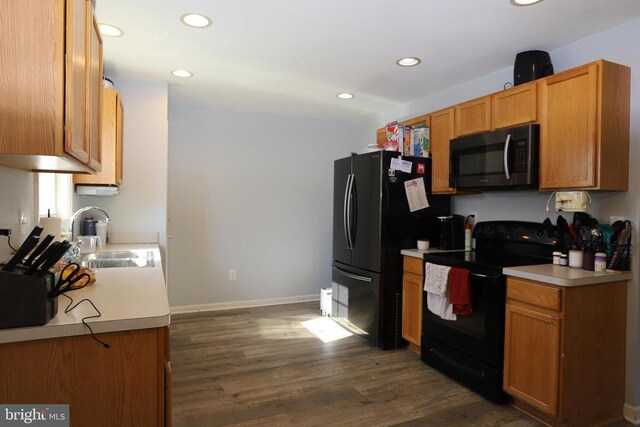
[26, 300]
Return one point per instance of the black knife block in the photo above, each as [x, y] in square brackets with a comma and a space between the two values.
[26, 300]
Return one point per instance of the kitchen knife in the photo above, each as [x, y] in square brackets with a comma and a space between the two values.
[42, 258]
[23, 250]
[37, 231]
[37, 251]
[55, 257]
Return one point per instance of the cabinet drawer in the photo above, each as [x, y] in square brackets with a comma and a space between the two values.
[413, 265]
[535, 294]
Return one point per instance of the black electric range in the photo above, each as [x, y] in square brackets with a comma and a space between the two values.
[470, 348]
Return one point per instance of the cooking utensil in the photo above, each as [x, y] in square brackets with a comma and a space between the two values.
[621, 254]
[55, 257]
[579, 220]
[69, 279]
[37, 231]
[572, 230]
[42, 258]
[40, 249]
[563, 228]
[617, 227]
[22, 251]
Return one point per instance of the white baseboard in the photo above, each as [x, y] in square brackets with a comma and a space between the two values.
[631, 413]
[243, 304]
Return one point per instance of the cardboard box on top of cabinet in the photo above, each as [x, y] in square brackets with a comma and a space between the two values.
[420, 138]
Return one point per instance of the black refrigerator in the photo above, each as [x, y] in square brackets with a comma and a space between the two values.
[372, 222]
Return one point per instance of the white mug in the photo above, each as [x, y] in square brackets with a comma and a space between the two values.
[88, 244]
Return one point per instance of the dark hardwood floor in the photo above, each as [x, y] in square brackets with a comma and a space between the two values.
[260, 366]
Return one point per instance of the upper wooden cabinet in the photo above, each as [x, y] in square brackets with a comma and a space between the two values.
[515, 106]
[442, 128]
[94, 86]
[111, 131]
[564, 351]
[473, 116]
[46, 92]
[584, 128]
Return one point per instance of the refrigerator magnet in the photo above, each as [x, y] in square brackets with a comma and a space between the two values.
[420, 168]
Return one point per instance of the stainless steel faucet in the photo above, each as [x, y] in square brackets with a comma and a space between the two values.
[82, 210]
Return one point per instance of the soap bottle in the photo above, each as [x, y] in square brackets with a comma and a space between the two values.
[467, 233]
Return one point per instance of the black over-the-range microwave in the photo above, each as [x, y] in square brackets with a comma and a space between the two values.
[498, 160]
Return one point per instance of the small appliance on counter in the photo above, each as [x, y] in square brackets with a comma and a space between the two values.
[451, 232]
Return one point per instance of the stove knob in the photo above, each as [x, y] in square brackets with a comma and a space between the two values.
[540, 232]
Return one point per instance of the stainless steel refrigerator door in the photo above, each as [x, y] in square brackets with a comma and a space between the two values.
[366, 212]
[342, 179]
[355, 299]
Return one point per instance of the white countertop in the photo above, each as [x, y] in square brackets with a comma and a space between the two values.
[418, 253]
[128, 297]
[565, 276]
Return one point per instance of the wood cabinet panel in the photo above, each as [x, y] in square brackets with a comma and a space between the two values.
[584, 128]
[47, 62]
[76, 142]
[94, 87]
[442, 130]
[413, 265]
[515, 106]
[31, 77]
[111, 134]
[120, 385]
[119, 140]
[473, 116]
[412, 308]
[532, 348]
[535, 294]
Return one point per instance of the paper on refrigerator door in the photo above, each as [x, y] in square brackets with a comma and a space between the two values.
[416, 194]
[401, 165]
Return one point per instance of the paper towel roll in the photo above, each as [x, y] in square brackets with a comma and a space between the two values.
[51, 226]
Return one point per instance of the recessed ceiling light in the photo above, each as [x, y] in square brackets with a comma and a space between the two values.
[409, 61]
[110, 30]
[524, 2]
[182, 73]
[344, 95]
[195, 20]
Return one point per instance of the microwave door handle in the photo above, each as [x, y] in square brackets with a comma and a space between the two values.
[507, 174]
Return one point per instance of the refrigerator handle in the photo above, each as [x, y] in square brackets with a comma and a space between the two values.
[345, 212]
[353, 228]
[353, 276]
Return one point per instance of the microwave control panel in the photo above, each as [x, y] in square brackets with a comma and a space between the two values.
[520, 156]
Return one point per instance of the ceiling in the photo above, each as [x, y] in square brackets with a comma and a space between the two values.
[295, 56]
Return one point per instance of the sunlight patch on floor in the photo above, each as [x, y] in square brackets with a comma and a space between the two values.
[326, 329]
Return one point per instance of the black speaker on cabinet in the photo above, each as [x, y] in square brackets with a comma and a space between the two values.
[531, 65]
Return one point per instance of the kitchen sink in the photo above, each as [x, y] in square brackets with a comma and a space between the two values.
[118, 259]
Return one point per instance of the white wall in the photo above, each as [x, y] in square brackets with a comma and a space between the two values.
[17, 191]
[250, 192]
[142, 202]
[614, 45]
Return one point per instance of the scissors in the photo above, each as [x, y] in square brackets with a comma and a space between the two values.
[70, 282]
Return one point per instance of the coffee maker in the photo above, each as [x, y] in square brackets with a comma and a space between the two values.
[451, 232]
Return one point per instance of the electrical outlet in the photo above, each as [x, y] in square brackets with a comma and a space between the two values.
[613, 219]
[232, 274]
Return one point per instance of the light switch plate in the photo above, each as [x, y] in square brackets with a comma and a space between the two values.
[572, 201]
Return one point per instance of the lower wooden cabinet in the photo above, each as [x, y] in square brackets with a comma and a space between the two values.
[564, 358]
[127, 384]
[412, 284]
